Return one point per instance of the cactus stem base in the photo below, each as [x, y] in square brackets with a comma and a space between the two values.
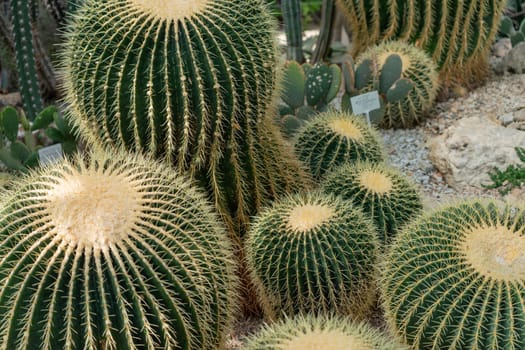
[332, 339]
[346, 128]
[496, 251]
[170, 9]
[307, 217]
[92, 209]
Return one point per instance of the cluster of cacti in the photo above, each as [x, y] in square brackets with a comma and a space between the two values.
[191, 83]
[112, 252]
[507, 29]
[306, 91]
[382, 192]
[455, 279]
[24, 154]
[312, 252]
[406, 77]
[323, 332]
[335, 138]
[457, 34]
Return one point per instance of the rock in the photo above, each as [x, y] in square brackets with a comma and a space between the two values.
[12, 99]
[515, 60]
[502, 47]
[472, 147]
[506, 118]
[519, 115]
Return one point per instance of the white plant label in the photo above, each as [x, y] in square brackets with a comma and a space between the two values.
[50, 154]
[365, 103]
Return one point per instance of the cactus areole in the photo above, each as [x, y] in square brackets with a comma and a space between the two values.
[115, 252]
[189, 82]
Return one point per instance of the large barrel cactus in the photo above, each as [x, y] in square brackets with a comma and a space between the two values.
[455, 279]
[415, 66]
[313, 252]
[323, 332]
[382, 192]
[457, 34]
[334, 138]
[114, 252]
[191, 82]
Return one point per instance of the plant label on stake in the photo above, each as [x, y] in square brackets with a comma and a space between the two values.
[365, 103]
[50, 154]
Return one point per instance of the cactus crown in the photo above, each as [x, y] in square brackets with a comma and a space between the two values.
[375, 181]
[346, 127]
[308, 216]
[170, 9]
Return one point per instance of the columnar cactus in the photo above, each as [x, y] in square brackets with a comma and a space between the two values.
[114, 252]
[455, 279]
[457, 34]
[191, 82]
[382, 192]
[312, 252]
[418, 68]
[334, 138]
[323, 332]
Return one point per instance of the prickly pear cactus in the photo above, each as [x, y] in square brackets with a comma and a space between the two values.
[321, 332]
[382, 192]
[334, 138]
[312, 252]
[114, 252]
[190, 82]
[455, 279]
[414, 65]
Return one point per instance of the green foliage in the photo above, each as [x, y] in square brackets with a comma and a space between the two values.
[335, 138]
[406, 79]
[112, 252]
[438, 27]
[307, 90]
[22, 153]
[321, 332]
[516, 32]
[312, 253]
[513, 176]
[195, 90]
[383, 193]
[455, 279]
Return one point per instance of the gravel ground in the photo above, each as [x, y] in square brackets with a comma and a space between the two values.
[407, 151]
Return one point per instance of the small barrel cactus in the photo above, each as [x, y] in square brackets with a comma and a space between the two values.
[312, 252]
[417, 67]
[190, 82]
[334, 138]
[322, 332]
[455, 279]
[384, 193]
[114, 252]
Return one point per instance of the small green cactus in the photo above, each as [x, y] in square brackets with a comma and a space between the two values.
[307, 332]
[307, 90]
[507, 29]
[112, 252]
[455, 279]
[312, 252]
[334, 138]
[409, 65]
[380, 191]
[189, 82]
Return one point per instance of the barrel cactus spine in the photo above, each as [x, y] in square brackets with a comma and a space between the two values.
[419, 69]
[112, 252]
[188, 82]
[320, 332]
[312, 253]
[384, 193]
[333, 138]
[454, 279]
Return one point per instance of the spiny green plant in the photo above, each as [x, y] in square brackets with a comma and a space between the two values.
[507, 29]
[190, 82]
[412, 65]
[321, 332]
[113, 251]
[513, 176]
[334, 138]
[457, 34]
[312, 252]
[307, 90]
[380, 191]
[455, 278]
